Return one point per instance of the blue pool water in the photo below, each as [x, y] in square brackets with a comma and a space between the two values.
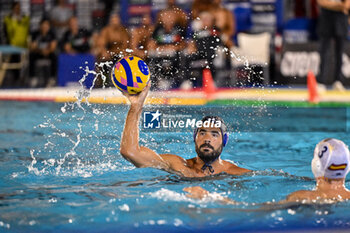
[61, 170]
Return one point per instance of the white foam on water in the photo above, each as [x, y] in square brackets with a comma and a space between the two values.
[161, 222]
[31, 167]
[78, 170]
[32, 222]
[291, 212]
[124, 207]
[58, 166]
[178, 222]
[4, 225]
[169, 195]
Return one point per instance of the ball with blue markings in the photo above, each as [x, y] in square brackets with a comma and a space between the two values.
[130, 75]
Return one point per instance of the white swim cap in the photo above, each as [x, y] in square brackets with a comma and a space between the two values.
[331, 159]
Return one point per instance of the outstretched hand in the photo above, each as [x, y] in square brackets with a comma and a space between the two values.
[138, 99]
[196, 192]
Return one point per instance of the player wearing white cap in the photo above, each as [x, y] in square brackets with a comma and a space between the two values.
[330, 166]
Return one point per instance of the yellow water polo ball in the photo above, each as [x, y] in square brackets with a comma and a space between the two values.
[130, 75]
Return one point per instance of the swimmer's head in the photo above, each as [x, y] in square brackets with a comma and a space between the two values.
[331, 159]
[210, 138]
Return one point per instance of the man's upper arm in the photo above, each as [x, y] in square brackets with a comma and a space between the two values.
[235, 170]
[145, 157]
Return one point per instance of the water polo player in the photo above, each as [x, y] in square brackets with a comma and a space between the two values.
[209, 142]
[330, 165]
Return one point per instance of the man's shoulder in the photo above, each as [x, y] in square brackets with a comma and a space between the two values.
[303, 192]
[233, 169]
[178, 164]
[346, 195]
[106, 30]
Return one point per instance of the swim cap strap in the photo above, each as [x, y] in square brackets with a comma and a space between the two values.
[209, 166]
[224, 138]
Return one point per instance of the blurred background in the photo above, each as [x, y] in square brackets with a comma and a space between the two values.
[45, 43]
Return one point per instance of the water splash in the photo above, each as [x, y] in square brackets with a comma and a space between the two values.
[169, 195]
[69, 137]
[31, 167]
[5, 225]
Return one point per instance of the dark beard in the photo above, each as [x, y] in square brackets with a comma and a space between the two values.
[206, 157]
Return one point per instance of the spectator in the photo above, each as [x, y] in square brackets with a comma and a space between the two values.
[165, 46]
[224, 23]
[206, 41]
[16, 27]
[76, 40]
[60, 16]
[332, 25]
[168, 35]
[113, 40]
[141, 37]
[42, 48]
[16, 33]
[205, 36]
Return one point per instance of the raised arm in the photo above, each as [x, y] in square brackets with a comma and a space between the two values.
[129, 147]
